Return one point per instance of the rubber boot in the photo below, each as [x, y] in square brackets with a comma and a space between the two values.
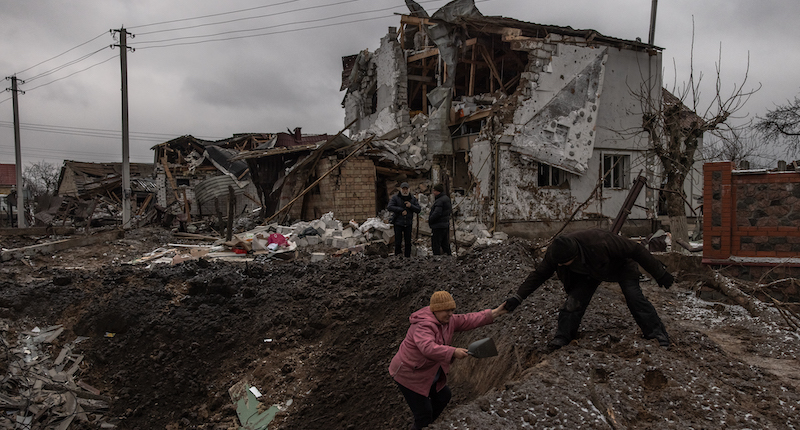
[568, 323]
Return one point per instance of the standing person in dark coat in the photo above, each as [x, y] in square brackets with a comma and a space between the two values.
[439, 221]
[583, 260]
[403, 205]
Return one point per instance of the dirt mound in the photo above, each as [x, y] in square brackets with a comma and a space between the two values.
[316, 338]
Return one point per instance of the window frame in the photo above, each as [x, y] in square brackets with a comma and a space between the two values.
[618, 178]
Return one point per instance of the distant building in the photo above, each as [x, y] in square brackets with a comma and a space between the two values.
[8, 177]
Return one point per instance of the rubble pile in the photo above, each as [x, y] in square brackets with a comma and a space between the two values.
[39, 391]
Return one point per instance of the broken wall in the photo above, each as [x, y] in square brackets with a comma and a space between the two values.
[349, 192]
[575, 108]
[377, 98]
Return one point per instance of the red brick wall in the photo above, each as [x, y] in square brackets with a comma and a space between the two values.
[348, 191]
[750, 214]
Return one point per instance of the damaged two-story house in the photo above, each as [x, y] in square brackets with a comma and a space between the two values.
[529, 125]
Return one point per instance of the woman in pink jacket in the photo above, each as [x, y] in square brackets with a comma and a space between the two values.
[421, 365]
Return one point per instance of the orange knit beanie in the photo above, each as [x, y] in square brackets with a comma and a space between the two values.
[442, 301]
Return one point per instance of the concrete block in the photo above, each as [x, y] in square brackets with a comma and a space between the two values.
[351, 242]
[465, 239]
[328, 241]
[312, 240]
[317, 256]
[329, 232]
[499, 235]
[285, 230]
[347, 233]
[340, 243]
[301, 242]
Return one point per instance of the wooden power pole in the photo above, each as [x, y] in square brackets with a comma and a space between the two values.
[18, 154]
[126, 162]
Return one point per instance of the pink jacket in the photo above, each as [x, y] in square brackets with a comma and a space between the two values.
[427, 347]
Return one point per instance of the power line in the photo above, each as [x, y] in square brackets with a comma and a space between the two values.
[68, 50]
[139, 45]
[97, 132]
[212, 15]
[65, 65]
[246, 18]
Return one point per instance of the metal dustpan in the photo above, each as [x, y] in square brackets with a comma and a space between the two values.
[483, 348]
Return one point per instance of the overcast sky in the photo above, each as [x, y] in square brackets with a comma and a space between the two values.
[285, 71]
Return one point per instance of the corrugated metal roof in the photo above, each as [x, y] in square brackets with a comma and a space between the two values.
[106, 169]
[215, 187]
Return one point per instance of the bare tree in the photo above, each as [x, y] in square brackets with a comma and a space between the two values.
[782, 124]
[41, 178]
[676, 123]
[743, 147]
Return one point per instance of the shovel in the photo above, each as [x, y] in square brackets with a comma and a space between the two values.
[483, 348]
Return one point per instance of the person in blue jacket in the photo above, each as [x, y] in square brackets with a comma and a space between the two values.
[403, 205]
[439, 221]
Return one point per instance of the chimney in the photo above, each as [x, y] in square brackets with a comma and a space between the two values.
[297, 134]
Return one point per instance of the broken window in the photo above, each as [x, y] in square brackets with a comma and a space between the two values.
[550, 176]
[615, 171]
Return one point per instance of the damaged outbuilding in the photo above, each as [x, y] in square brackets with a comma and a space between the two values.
[529, 124]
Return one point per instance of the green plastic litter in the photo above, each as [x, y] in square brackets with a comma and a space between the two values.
[249, 415]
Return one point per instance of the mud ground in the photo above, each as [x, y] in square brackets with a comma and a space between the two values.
[322, 335]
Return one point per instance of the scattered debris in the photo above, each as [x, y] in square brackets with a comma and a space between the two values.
[41, 392]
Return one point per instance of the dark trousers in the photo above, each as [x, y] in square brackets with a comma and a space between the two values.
[581, 288]
[402, 234]
[426, 409]
[440, 241]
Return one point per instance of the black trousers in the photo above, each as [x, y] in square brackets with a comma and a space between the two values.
[426, 409]
[581, 288]
[402, 234]
[440, 241]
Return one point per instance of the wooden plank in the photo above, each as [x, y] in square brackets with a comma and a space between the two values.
[423, 55]
[51, 247]
[37, 231]
[144, 205]
[172, 182]
[419, 78]
[492, 67]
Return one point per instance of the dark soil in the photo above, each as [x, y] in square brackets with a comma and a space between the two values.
[322, 335]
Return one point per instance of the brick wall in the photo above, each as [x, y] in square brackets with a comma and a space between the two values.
[750, 213]
[348, 192]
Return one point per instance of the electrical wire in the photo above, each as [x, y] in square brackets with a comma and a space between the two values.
[75, 73]
[272, 27]
[245, 18]
[140, 45]
[212, 15]
[97, 132]
[68, 50]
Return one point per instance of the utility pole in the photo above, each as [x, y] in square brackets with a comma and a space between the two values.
[126, 163]
[18, 153]
[653, 9]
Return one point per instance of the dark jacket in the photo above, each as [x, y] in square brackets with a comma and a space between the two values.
[604, 256]
[440, 212]
[397, 206]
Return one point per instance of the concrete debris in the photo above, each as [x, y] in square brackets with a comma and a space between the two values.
[317, 239]
[39, 391]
